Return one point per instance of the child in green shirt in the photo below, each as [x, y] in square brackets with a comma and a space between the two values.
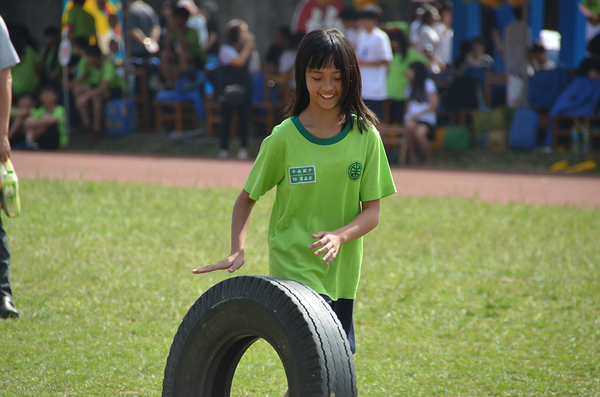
[96, 83]
[81, 23]
[46, 127]
[330, 171]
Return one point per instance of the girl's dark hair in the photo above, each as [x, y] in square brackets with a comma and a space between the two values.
[181, 12]
[323, 48]
[417, 91]
[93, 50]
[398, 35]
[233, 29]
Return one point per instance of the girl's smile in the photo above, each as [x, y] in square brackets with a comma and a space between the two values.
[324, 87]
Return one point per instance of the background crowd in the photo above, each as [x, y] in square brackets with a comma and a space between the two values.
[186, 55]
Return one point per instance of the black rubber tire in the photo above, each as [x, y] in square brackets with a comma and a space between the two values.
[228, 318]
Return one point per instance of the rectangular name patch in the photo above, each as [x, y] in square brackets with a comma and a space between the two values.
[304, 174]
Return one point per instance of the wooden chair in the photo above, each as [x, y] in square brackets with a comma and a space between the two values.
[213, 118]
[562, 125]
[269, 112]
[394, 137]
[492, 79]
[180, 114]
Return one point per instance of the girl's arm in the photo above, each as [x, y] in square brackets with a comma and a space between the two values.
[331, 242]
[242, 212]
[242, 58]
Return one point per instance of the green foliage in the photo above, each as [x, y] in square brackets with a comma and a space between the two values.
[459, 297]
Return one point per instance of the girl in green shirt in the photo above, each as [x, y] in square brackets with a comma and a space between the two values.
[330, 171]
[404, 55]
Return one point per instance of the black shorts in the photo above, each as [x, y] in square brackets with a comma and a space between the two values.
[397, 112]
[344, 308]
[430, 130]
[50, 139]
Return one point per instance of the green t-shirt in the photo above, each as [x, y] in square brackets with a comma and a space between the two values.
[106, 72]
[59, 114]
[320, 186]
[25, 75]
[396, 79]
[83, 23]
[191, 37]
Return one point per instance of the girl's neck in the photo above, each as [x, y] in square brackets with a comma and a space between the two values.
[320, 122]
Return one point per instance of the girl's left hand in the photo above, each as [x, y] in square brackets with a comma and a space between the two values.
[330, 244]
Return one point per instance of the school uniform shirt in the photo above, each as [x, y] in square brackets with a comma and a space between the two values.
[414, 107]
[374, 46]
[24, 75]
[84, 24]
[396, 78]
[59, 114]
[106, 72]
[320, 186]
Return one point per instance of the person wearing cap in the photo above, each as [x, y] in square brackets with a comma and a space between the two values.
[374, 54]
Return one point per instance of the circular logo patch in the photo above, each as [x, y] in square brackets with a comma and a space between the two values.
[354, 170]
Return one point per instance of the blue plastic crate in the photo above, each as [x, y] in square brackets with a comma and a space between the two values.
[120, 117]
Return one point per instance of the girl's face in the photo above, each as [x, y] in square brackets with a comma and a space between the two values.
[325, 87]
[410, 74]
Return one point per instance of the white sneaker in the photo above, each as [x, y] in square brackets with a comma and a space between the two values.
[242, 154]
[223, 154]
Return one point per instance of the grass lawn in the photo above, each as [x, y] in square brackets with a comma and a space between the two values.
[459, 297]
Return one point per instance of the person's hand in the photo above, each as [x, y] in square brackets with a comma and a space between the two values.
[330, 244]
[232, 263]
[249, 40]
[4, 149]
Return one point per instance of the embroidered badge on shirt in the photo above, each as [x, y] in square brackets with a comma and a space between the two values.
[304, 174]
[354, 170]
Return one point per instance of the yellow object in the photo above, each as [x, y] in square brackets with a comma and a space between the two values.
[361, 3]
[497, 141]
[589, 165]
[440, 133]
[9, 183]
[559, 166]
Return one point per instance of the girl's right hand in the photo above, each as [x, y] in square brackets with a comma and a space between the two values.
[232, 263]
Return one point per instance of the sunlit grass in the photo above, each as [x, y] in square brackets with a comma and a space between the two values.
[459, 297]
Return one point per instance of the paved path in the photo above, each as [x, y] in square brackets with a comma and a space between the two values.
[496, 187]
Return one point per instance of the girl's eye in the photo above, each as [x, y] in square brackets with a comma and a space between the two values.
[316, 79]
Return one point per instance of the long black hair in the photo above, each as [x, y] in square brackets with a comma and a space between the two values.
[397, 34]
[323, 48]
[417, 91]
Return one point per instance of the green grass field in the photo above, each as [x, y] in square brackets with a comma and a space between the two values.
[459, 297]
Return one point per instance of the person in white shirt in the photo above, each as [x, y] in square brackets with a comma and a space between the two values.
[421, 104]
[413, 29]
[539, 58]
[349, 18]
[443, 28]
[374, 54]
